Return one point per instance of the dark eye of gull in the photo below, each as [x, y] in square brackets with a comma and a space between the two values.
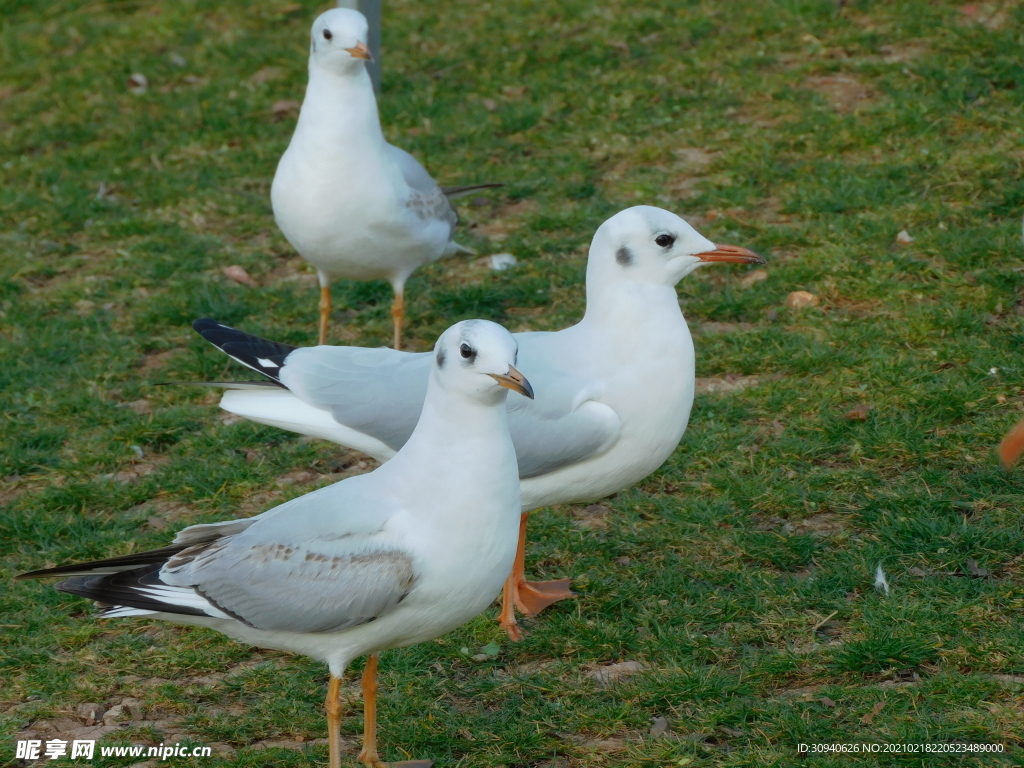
[467, 351]
[664, 241]
[327, 34]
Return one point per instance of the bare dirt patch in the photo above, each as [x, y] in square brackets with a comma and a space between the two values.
[844, 92]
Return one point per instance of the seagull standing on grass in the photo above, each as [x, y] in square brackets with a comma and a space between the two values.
[615, 390]
[395, 557]
[349, 202]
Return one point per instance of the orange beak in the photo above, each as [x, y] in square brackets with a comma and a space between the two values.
[360, 52]
[515, 381]
[732, 253]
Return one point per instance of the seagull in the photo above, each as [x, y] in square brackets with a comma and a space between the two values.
[350, 203]
[615, 389]
[399, 556]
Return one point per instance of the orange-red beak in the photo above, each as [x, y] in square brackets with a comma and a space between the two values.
[361, 51]
[732, 253]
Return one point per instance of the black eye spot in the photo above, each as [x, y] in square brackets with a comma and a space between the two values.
[328, 35]
[624, 256]
[467, 352]
[440, 358]
[665, 241]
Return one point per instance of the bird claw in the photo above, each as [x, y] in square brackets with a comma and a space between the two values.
[515, 634]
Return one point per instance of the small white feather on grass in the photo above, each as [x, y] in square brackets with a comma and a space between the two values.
[881, 583]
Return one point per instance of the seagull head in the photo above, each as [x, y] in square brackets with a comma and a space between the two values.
[338, 41]
[476, 358]
[651, 245]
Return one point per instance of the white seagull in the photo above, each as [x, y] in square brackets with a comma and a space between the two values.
[349, 202]
[384, 560]
[615, 390]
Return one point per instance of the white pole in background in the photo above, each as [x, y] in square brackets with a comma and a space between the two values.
[371, 9]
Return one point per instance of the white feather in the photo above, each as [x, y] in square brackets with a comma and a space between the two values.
[881, 583]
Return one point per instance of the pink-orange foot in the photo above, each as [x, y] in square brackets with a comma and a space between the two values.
[532, 597]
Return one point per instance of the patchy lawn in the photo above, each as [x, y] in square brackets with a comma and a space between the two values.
[734, 588]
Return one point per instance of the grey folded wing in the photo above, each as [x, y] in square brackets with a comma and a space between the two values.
[378, 392]
[426, 199]
[548, 439]
[313, 586]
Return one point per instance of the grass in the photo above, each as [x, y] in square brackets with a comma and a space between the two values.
[740, 574]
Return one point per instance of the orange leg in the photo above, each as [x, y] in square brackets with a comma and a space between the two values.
[368, 754]
[333, 707]
[398, 315]
[325, 311]
[530, 597]
[508, 611]
[1012, 446]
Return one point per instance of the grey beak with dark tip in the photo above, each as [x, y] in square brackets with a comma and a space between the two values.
[515, 381]
[732, 253]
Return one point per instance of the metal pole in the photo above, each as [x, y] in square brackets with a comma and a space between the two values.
[371, 9]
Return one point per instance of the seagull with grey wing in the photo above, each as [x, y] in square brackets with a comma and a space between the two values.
[614, 390]
[353, 205]
[395, 557]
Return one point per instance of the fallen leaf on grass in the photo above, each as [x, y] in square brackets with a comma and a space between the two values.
[285, 107]
[858, 413]
[753, 277]
[693, 157]
[903, 237]
[266, 75]
[239, 275]
[141, 407]
[866, 720]
[802, 300]
[659, 727]
[127, 709]
[90, 713]
[137, 83]
[825, 701]
[613, 673]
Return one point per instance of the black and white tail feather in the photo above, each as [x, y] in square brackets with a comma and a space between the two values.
[261, 355]
[130, 585]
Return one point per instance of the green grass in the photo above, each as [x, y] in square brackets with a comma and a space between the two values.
[747, 593]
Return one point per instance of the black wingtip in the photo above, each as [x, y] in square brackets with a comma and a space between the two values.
[261, 355]
[125, 562]
[205, 323]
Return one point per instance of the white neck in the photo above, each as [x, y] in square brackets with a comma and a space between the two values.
[622, 309]
[453, 434]
[339, 109]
